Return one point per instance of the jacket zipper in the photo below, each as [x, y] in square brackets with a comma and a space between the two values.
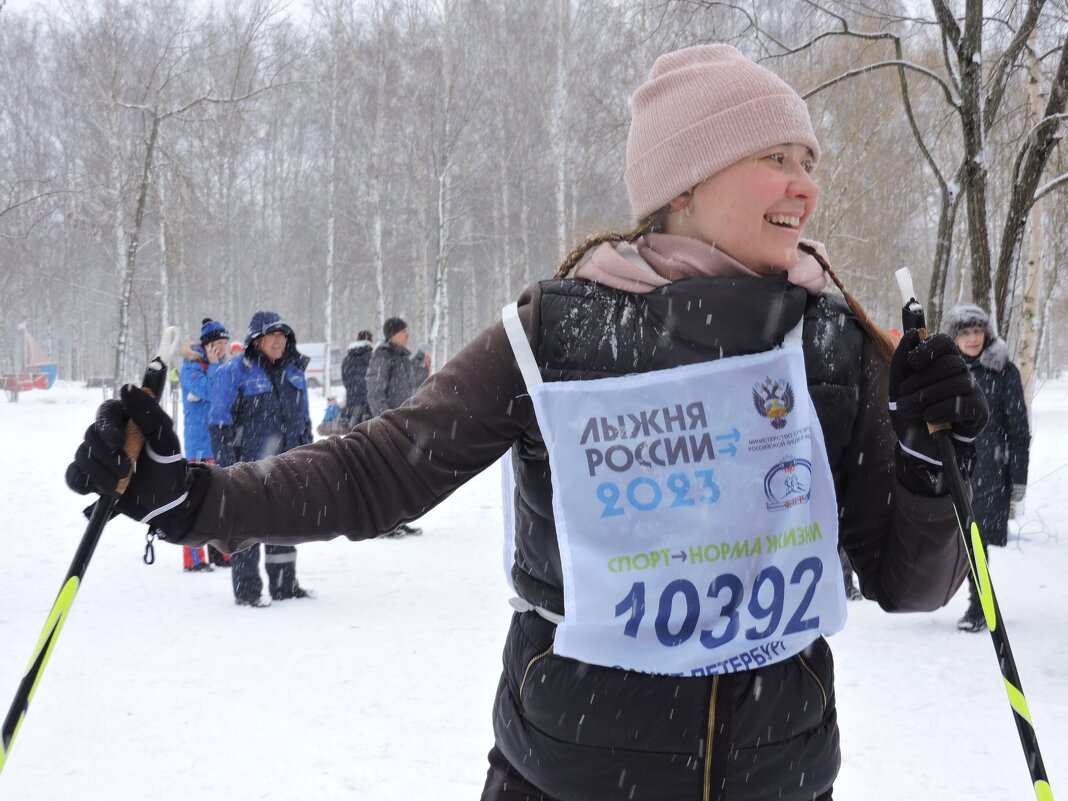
[811, 672]
[710, 734]
[530, 666]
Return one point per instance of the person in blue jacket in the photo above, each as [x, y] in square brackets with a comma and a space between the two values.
[333, 422]
[259, 408]
[201, 361]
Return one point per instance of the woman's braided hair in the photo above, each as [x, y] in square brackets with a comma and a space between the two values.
[652, 224]
[883, 343]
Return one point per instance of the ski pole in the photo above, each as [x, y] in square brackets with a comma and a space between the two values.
[912, 316]
[153, 383]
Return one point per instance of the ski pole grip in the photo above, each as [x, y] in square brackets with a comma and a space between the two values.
[152, 385]
[934, 428]
[135, 441]
[913, 316]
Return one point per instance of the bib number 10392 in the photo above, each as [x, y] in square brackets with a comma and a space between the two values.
[765, 612]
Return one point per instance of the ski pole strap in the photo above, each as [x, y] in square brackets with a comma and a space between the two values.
[517, 337]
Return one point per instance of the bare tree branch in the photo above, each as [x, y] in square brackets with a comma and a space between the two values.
[951, 70]
[946, 89]
[947, 22]
[28, 200]
[1048, 187]
[14, 203]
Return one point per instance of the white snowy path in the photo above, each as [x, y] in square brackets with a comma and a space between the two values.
[381, 689]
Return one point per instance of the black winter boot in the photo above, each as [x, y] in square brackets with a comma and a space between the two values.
[852, 591]
[974, 619]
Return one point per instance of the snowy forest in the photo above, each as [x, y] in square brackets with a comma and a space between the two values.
[343, 161]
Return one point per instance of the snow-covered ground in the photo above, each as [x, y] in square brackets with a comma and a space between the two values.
[381, 689]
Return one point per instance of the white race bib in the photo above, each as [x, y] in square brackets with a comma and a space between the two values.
[695, 512]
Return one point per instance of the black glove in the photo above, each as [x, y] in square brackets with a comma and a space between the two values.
[159, 488]
[930, 383]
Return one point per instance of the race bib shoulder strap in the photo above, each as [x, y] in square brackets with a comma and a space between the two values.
[528, 365]
[523, 605]
[517, 337]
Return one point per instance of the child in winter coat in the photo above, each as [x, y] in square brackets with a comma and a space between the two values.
[333, 423]
[999, 479]
[694, 425]
[201, 361]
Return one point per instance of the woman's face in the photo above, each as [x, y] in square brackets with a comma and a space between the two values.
[970, 341]
[755, 209]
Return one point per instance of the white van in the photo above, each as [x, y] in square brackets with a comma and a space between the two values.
[316, 352]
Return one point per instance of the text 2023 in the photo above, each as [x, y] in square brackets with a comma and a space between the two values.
[644, 494]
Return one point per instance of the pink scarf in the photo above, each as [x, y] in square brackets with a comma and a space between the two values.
[654, 260]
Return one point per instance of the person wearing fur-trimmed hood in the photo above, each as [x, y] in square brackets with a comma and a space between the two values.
[999, 479]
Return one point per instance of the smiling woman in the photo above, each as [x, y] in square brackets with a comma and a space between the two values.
[695, 428]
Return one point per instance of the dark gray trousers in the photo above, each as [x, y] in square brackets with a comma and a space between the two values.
[281, 566]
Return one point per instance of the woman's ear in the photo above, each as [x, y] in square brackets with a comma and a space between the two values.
[680, 202]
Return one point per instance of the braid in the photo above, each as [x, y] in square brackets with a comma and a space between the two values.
[653, 223]
[882, 340]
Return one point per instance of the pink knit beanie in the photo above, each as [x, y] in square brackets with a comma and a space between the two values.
[702, 109]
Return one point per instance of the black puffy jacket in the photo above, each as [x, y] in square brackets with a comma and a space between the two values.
[764, 733]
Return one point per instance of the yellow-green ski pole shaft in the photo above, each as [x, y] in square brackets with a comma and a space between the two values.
[56, 618]
[969, 532]
[153, 383]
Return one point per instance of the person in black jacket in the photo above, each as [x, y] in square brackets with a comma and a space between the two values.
[393, 375]
[694, 425]
[999, 480]
[354, 374]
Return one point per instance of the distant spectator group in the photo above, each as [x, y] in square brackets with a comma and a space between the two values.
[240, 404]
[244, 402]
[376, 377]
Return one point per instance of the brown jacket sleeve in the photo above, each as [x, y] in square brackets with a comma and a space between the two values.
[390, 469]
[396, 467]
[904, 547]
